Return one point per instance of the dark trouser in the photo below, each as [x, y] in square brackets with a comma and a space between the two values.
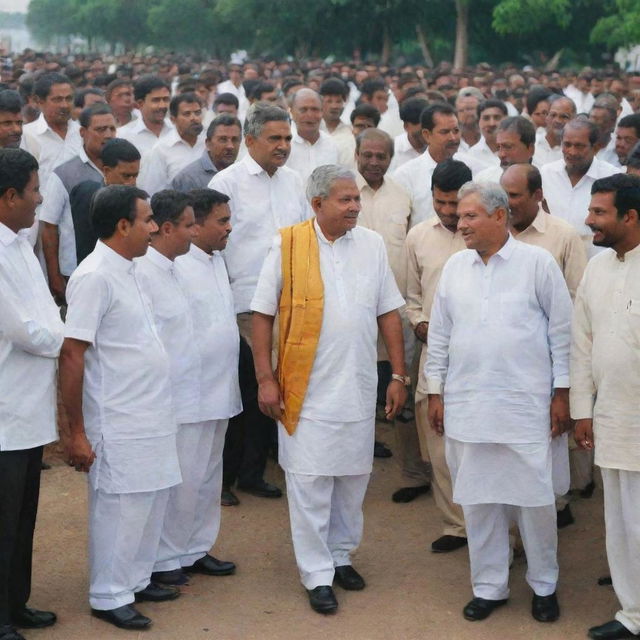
[19, 491]
[250, 434]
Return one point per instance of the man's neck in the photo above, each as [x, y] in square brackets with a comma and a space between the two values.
[437, 155]
[124, 118]
[115, 245]
[626, 245]
[575, 175]
[331, 125]
[94, 158]
[162, 249]
[492, 144]
[486, 255]
[377, 184]
[524, 225]
[602, 144]
[552, 138]
[60, 129]
[154, 127]
[208, 250]
[470, 135]
[190, 140]
[311, 138]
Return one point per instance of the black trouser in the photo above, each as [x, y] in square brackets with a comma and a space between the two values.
[19, 491]
[250, 434]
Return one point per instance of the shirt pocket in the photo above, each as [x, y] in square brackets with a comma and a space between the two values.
[514, 308]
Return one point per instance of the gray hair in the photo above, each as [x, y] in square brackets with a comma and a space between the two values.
[470, 92]
[301, 93]
[492, 195]
[259, 114]
[322, 179]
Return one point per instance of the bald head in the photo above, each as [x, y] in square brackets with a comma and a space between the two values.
[523, 185]
[376, 135]
[306, 111]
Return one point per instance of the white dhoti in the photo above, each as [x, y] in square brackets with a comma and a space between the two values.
[326, 522]
[497, 484]
[124, 532]
[192, 519]
[622, 522]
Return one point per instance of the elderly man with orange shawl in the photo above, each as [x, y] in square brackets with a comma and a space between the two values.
[330, 285]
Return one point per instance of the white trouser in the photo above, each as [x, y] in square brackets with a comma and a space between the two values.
[192, 520]
[124, 531]
[488, 536]
[622, 522]
[326, 523]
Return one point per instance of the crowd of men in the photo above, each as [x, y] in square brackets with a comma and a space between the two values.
[202, 264]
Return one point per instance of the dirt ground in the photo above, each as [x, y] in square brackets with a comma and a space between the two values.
[411, 594]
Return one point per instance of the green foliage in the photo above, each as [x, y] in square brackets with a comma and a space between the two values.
[526, 16]
[620, 29]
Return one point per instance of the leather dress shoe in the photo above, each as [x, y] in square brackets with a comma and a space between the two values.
[322, 599]
[610, 631]
[380, 450]
[8, 632]
[446, 544]
[228, 498]
[587, 492]
[125, 617]
[157, 593]
[262, 489]
[479, 608]
[348, 578]
[564, 518]
[28, 618]
[211, 566]
[545, 608]
[604, 581]
[175, 578]
[407, 494]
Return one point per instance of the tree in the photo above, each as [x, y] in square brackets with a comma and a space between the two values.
[621, 28]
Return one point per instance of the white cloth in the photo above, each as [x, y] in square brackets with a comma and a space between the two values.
[141, 137]
[358, 287]
[544, 153]
[305, 157]
[488, 538]
[390, 121]
[192, 519]
[56, 209]
[498, 344]
[583, 101]
[490, 174]
[622, 523]
[402, 152]
[124, 531]
[31, 334]
[345, 141]
[608, 153]
[127, 408]
[168, 156]
[483, 154]
[326, 519]
[605, 358]
[228, 87]
[260, 205]
[571, 203]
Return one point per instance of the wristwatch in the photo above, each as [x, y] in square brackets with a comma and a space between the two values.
[405, 380]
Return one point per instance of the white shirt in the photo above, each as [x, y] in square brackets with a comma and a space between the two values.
[483, 154]
[572, 203]
[167, 158]
[345, 141]
[490, 174]
[260, 205]
[498, 343]
[390, 121]
[402, 152]
[605, 357]
[583, 101]
[48, 148]
[31, 334]
[305, 157]
[608, 154]
[358, 287]
[56, 209]
[127, 410]
[137, 133]
[228, 87]
[545, 153]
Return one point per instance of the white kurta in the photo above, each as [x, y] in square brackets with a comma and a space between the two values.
[305, 157]
[335, 433]
[142, 138]
[497, 346]
[31, 334]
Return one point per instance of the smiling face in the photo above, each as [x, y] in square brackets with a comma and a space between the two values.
[480, 231]
[306, 112]
[445, 204]
[188, 122]
[489, 120]
[338, 212]
[511, 149]
[444, 138]
[373, 160]
[155, 105]
[608, 229]
[56, 107]
[10, 129]
[272, 147]
[578, 152]
[212, 232]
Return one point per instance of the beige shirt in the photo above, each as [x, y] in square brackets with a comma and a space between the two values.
[343, 136]
[429, 245]
[562, 241]
[605, 357]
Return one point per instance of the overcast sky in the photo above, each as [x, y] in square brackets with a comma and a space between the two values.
[14, 5]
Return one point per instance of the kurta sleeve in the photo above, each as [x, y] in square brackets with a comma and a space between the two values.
[55, 200]
[438, 338]
[574, 263]
[267, 294]
[414, 310]
[582, 385]
[88, 296]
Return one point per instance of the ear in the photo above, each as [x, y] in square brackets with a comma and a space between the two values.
[249, 140]
[634, 215]
[165, 228]
[10, 196]
[123, 227]
[537, 195]
[316, 204]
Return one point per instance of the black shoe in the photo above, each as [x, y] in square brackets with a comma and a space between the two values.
[380, 450]
[27, 618]
[348, 578]
[175, 578]
[445, 544]
[157, 593]
[7, 632]
[545, 608]
[604, 581]
[125, 617]
[228, 498]
[564, 518]
[322, 599]
[587, 492]
[407, 494]
[479, 608]
[45, 466]
[610, 631]
[211, 566]
[262, 489]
